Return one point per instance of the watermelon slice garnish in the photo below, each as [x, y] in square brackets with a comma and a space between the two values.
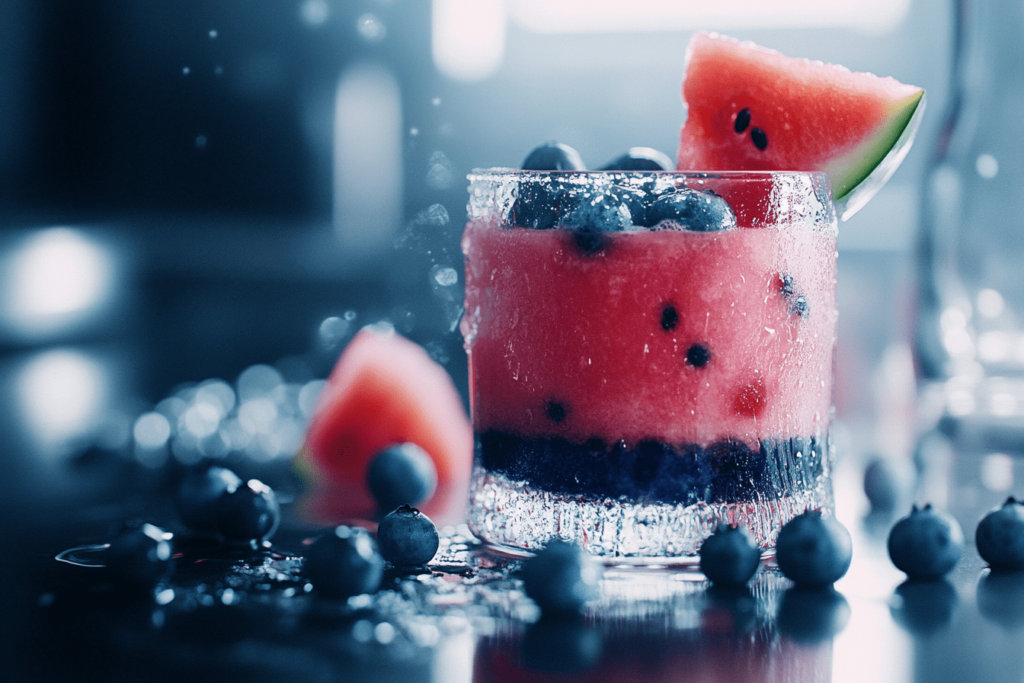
[751, 108]
[384, 390]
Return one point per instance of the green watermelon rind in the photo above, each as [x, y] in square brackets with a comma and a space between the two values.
[869, 166]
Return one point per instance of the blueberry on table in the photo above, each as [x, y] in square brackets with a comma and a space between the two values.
[199, 493]
[344, 562]
[729, 556]
[1000, 537]
[561, 578]
[401, 474]
[141, 556]
[407, 538]
[926, 544]
[812, 614]
[553, 156]
[691, 210]
[248, 512]
[640, 159]
[813, 550]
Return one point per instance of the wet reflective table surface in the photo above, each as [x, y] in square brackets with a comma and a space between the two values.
[239, 614]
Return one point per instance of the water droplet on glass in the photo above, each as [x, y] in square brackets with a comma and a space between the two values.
[384, 633]
[371, 28]
[362, 631]
[308, 396]
[414, 132]
[218, 70]
[436, 101]
[446, 277]
[258, 381]
[440, 172]
[201, 142]
[185, 71]
[152, 430]
[213, 33]
[314, 12]
[350, 315]
[987, 166]
[333, 331]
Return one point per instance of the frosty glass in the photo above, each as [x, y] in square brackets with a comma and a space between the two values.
[638, 375]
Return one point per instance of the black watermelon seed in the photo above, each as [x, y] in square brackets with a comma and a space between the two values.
[742, 121]
[698, 355]
[669, 317]
[555, 411]
[589, 241]
[760, 138]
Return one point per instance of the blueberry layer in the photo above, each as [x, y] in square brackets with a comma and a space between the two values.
[656, 472]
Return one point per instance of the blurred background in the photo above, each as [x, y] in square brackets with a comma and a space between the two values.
[200, 201]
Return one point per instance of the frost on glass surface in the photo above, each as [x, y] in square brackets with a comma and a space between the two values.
[514, 514]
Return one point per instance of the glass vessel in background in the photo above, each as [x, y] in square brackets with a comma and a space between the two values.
[970, 340]
[649, 354]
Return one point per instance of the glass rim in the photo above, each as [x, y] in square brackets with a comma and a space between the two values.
[518, 173]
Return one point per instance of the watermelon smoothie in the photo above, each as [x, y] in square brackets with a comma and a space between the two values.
[637, 378]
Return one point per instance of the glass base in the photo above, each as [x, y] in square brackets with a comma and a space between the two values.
[513, 515]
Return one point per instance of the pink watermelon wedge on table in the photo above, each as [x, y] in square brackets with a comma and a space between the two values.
[383, 390]
[751, 108]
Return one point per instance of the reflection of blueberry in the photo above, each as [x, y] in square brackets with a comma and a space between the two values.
[691, 210]
[729, 556]
[344, 562]
[248, 512]
[407, 538]
[1001, 598]
[553, 156]
[140, 557]
[738, 601]
[924, 607]
[561, 644]
[402, 474]
[1000, 536]
[640, 159]
[561, 578]
[925, 544]
[813, 550]
[198, 495]
[812, 614]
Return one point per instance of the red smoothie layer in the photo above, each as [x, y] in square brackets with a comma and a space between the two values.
[680, 336]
